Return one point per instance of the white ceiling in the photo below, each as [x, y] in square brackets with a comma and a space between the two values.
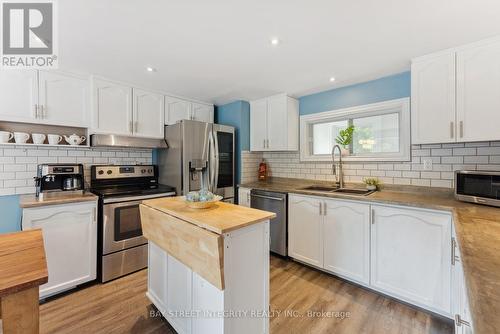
[219, 51]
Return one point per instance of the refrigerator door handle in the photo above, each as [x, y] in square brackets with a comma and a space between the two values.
[211, 159]
[216, 158]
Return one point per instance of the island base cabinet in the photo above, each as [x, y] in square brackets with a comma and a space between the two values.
[410, 256]
[193, 305]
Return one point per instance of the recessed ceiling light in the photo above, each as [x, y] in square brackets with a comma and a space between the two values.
[332, 79]
[150, 69]
[275, 41]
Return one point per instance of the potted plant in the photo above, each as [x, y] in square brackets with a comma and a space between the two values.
[344, 139]
[372, 183]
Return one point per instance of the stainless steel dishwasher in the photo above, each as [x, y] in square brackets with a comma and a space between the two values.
[277, 203]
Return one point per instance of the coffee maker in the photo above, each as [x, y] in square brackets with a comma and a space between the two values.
[54, 180]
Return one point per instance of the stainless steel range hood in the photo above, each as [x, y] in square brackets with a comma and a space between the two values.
[98, 140]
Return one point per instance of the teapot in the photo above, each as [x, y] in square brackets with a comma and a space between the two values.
[74, 139]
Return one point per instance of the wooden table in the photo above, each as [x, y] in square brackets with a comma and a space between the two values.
[23, 268]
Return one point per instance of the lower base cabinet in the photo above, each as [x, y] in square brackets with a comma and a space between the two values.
[401, 252]
[70, 240]
[460, 300]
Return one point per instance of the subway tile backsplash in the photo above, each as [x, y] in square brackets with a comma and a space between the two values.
[18, 163]
[446, 158]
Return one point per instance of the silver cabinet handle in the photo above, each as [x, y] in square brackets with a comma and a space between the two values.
[452, 134]
[35, 111]
[248, 197]
[264, 143]
[454, 256]
[43, 111]
[461, 129]
[373, 216]
[267, 197]
[320, 207]
[131, 126]
[459, 321]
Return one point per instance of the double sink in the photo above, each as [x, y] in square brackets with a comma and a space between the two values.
[347, 191]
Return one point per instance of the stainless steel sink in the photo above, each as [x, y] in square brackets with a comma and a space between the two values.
[350, 191]
[320, 188]
[333, 189]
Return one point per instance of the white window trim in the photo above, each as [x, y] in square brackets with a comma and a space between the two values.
[402, 106]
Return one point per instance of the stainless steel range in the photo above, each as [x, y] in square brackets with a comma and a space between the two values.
[122, 248]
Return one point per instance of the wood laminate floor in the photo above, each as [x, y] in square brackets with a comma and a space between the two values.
[122, 307]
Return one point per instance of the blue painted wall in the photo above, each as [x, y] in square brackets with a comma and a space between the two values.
[383, 89]
[10, 214]
[236, 114]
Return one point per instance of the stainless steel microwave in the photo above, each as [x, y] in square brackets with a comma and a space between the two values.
[482, 187]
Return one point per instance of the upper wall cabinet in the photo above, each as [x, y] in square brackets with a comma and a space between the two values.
[148, 114]
[64, 99]
[178, 109]
[112, 108]
[455, 94]
[18, 96]
[274, 124]
[122, 110]
[44, 97]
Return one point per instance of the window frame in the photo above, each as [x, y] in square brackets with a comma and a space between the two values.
[400, 106]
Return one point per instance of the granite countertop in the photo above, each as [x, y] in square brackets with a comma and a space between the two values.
[477, 228]
[220, 218]
[31, 201]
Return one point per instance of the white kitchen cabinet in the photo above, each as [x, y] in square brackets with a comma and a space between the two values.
[148, 113]
[410, 256]
[274, 124]
[112, 108]
[18, 95]
[157, 276]
[346, 239]
[202, 112]
[178, 109]
[179, 291]
[433, 99]
[244, 196]
[455, 94]
[63, 99]
[478, 98]
[70, 240]
[305, 229]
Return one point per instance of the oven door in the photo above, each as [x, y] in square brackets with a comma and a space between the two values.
[122, 226]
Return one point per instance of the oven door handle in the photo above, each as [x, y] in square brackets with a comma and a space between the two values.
[136, 198]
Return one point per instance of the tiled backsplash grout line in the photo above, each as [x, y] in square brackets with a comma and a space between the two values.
[18, 163]
[446, 158]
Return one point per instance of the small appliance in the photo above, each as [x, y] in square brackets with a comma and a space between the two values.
[54, 180]
[121, 247]
[482, 187]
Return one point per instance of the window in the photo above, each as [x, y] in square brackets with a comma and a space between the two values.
[381, 132]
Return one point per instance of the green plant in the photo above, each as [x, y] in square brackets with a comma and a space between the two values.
[372, 181]
[345, 136]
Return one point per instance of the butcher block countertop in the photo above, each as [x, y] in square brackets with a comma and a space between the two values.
[22, 261]
[31, 201]
[221, 218]
[477, 228]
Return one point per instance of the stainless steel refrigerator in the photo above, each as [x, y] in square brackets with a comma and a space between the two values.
[199, 156]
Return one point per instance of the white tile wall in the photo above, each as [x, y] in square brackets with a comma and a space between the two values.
[18, 163]
[446, 158]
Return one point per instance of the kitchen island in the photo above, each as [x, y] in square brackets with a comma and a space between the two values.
[208, 268]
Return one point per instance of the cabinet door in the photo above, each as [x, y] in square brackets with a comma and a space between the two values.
[305, 232]
[411, 252]
[64, 99]
[258, 125]
[433, 99]
[176, 110]
[18, 95]
[70, 240]
[277, 123]
[202, 112]
[179, 291]
[149, 111]
[346, 233]
[244, 197]
[112, 112]
[478, 93]
[157, 276]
